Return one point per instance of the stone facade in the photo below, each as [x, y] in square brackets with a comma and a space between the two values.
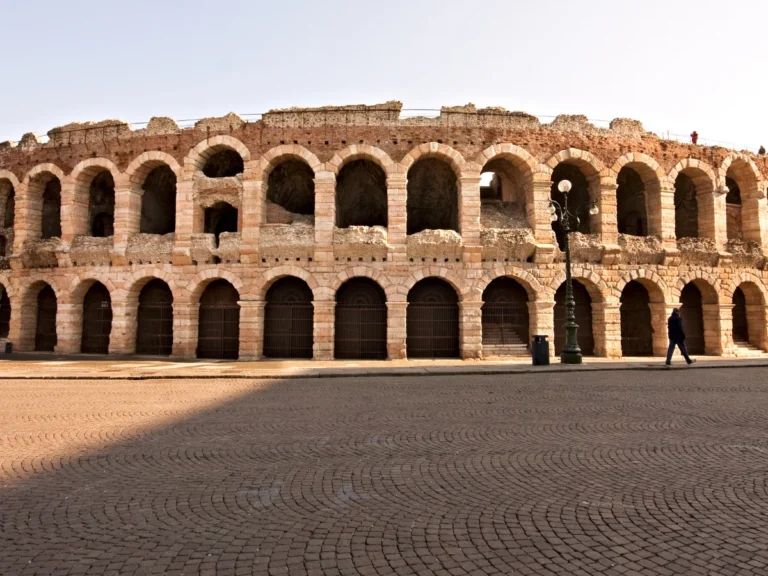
[263, 249]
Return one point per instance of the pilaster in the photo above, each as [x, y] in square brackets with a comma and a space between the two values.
[470, 330]
[251, 329]
[185, 320]
[325, 216]
[541, 320]
[324, 319]
[396, 330]
[606, 329]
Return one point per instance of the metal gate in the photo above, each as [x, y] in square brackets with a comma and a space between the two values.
[432, 320]
[693, 319]
[636, 331]
[154, 335]
[97, 320]
[505, 317]
[740, 324]
[45, 330]
[289, 320]
[583, 312]
[361, 321]
[218, 333]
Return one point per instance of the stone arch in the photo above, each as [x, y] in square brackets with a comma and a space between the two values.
[280, 155]
[10, 176]
[78, 290]
[361, 192]
[456, 281]
[706, 282]
[44, 184]
[588, 162]
[141, 166]
[652, 177]
[274, 156]
[748, 315]
[42, 168]
[126, 299]
[9, 186]
[435, 150]
[536, 291]
[361, 152]
[275, 274]
[643, 323]
[746, 277]
[29, 309]
[200, 281]
[704, 181]
[197, 157]
[744, 165]
[377, 276]
[137, 173]
[598, 290]
[82, 283]
[747, 222]
[76, 210]
[657, 288]
[700, 309]
[131, 288]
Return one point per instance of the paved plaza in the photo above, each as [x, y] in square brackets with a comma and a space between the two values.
[616, 472]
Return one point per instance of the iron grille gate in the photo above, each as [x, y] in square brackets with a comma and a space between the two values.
[432, 330]
[361, 332]
[155, 329]
[504, 324]
[45, 331]
[693, 325]
[636, 332]
[740, 324]
[288, 330]
[219, 331]
[97, 325]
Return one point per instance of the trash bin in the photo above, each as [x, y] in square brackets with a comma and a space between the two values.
[8, 347]
[540, 350]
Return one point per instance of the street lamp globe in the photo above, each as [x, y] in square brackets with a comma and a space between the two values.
[564, 186]
[594, 210]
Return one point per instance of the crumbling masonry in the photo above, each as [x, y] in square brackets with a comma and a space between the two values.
[351, 232]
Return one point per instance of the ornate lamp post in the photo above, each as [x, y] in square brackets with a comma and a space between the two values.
[569, 222]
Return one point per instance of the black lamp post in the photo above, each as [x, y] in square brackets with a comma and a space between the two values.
[569, 222]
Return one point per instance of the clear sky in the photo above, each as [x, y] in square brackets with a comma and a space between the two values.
[676, 65]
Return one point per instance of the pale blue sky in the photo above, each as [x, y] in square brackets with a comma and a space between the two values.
[676, 65]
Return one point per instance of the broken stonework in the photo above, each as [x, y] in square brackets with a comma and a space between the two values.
[434, 244]
[150, 248]
[87, 250]
[209, 191]
[203, 249]
[698, 251]
[360, 242]
[627, 127]
[287, 241]
[160, 125]
[508, 244]
[584, 248]
[497, 214]
[41, 253]
[640, 249]
[746, 254]
[223, 123]
[276, 214]
[229, 247]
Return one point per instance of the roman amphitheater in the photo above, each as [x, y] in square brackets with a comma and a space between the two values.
[356, 232]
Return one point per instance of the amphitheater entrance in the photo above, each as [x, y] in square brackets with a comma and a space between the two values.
[45, 329]
[740, 323]
[361, 321]
[97, 320]
[289, 320]
[432, 320]
[749, 319]
[218, 328]
[5, 315]
[692, 314]
[154, 336]
[635, 311]
[583, 311]
[505, 318]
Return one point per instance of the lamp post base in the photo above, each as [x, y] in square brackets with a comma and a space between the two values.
[570, 357]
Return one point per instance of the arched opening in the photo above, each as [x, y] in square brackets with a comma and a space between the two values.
[45, 329]
[505, 318]
[51, 215]
[632, 215]
[101, 205]
[158, 202]
[433, 197]
[361, 195]
[290, 188]
[224, 163]
[221, 217]
[154, 336]
[503, 195]
[218, 329]
[97, 320]
[583, 312]
[289, 319]
[578, 196]
[740, 322]
[3, 246]
[692, 314]
[9, 194]
[636, 327]
[686, 207]
[749, 318]
[361, 321]
[5, 315]
[432, 320]
[733, 209]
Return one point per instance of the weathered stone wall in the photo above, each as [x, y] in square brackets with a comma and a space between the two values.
[275, 241]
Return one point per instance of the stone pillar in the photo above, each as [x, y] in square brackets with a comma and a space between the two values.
[606, 329]
[324, 319]
[713, 344]
[469, 217]
[397, 215]
[396, 330]
[604, 223]
[71, 211]
[537, 209]
[756, 325]
[715, 223]
[725, 332]
[122, 339]
[14, 327]
[185, 214]
[27, 209]
[251, 329]
[666, 228]
[541, 319]
[69, 327]
[470, 330]
[252, 218]
[325, 216]
[185, 318]
[660, 312]
[127, 220]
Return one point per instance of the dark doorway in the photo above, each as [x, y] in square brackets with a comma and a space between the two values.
[740, 324]
[45, 330]
[432, 320]
[221, 217]
[635, 311]
[218, 331]
[578, 196]
[505, 318]
[158, 203]
[3, 246]
[97, 320]
[432, 201]
[686, 208]
[5, 315]
[101, 205]
[291, 185]
[632, 217]
[224, 163]
[583, 312]
[154, 335]
[289, 320]
[361, 321]
[10, 208]
[733, 209]
[51, 222]
[361, 195]
[693, 318]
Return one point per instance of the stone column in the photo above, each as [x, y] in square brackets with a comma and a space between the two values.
[660, 312]
[127, 219]
[69, 327]
[725, 328]
[716, 226]
[325, 216]
[251, 221]
[396, 330]
[397, 215]
[469, 217]
[122, 339]
[604, 223]
[27, 209]
[14, 327]
[324, 319]
[666, 228]
[471, 329]
[72, 211]
[606, 329]
[756, 325]
[251, 329]
[713, 344]
[185, 213]
[185, 318]
[541, 319]
[537, 208]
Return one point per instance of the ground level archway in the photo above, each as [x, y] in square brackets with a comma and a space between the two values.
[583, 312]
[218, 328]
[289, 319]
[45, 328]
[749, 317]
[692, 313]
[636, 325]
[361, 321]
[432, 320]
[97, 320]
[505, 319]
[154, 336]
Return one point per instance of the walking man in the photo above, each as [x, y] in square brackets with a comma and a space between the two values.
[676, 337]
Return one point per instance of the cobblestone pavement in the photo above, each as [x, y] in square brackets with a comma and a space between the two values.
[582, 473]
